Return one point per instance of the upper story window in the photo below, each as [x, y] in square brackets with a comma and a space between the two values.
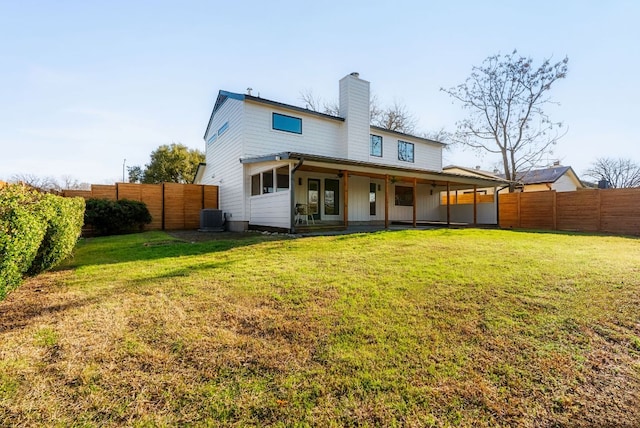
[223, 128]
[376, 145]
[285, 123]
[405, 151]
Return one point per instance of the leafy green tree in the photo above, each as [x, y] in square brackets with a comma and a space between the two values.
[174, 163]
[136, 174]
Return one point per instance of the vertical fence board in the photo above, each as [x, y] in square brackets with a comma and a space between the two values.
[180, 205]
[173, 206]
[103, 191]
[192, 205]
[595, 210]
[151, 195]
[211, 197]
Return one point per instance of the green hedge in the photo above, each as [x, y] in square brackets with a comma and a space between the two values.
[114, 217]
[37, 231]
[65, 217]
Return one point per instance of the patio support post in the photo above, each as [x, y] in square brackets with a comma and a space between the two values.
[448, 204]
[292, 193]
[475, 204]
[386, 201]
[415, 201]
[345, 184]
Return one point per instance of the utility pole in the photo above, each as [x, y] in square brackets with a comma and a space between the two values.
[123, 164]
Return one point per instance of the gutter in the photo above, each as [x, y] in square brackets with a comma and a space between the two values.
[293, 194]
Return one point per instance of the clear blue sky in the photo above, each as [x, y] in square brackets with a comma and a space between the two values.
[86, 84]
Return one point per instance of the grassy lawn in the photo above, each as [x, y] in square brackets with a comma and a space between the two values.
[406, 328]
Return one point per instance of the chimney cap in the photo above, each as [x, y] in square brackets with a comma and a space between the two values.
[355, 74]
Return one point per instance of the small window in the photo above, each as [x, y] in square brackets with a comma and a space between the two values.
[213, 139]
[223, 128]
[287, 123]
[376, 146]
[282, 179]
[405, 151]
[267, 181]
[404, 196]
[372, 198]
[255, 185]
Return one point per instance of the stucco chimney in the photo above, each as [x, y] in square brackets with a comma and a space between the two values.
[354, 108]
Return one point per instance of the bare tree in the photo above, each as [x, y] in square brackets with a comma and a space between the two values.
[70, 183]
[616, 173]
[506, 97]
[44, 184]
[440, 135]
[316, 103]
[394, 118]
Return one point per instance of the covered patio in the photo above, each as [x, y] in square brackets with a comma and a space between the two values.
[323, 193]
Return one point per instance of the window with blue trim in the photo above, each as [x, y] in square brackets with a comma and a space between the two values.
[223, 128]
[212, 139]
[405, 151]
[281, 122]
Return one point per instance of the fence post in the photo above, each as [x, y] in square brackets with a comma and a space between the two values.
[163, 206]
[599, 208]
[519, 216]
[555, 210]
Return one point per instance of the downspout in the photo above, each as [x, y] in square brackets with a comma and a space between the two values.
[497, 192]
[293, 195]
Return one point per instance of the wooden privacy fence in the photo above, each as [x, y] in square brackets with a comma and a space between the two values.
[172, 206]
[594, 210]
[465, 198]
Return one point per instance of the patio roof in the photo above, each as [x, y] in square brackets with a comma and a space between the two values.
[372, 169]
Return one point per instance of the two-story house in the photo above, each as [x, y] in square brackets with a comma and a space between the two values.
[278, 164]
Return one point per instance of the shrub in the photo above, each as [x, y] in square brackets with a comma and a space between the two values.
[37, 231]
[65, 217]
[114, 217]
[21, 231]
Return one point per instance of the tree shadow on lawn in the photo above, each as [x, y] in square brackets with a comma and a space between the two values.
[156, 246]
[42, 297]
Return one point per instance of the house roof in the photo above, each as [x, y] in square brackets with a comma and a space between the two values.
[225, 95]
[435, 175]
[546, 175]
[473, 171]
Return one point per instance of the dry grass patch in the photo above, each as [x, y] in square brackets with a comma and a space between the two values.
[415, 328]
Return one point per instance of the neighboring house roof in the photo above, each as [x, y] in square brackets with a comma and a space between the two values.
[474, 172]
[493, 181]
[225, 95]
[546, 175]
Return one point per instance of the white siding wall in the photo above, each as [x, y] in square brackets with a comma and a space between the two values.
[486, 213]
[223, 159]
[428, 204]
[271, 210]
[354, 107]
[359, 199]
[319, 136]
[426, 156]
[564, 184]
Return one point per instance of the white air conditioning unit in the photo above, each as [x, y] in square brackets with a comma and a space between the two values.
[212, 220]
